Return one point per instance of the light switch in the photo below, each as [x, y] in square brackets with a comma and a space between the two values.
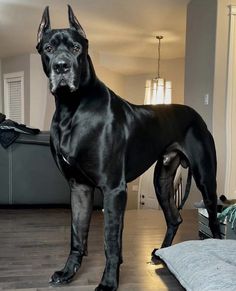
[135, 188]
[206, 99]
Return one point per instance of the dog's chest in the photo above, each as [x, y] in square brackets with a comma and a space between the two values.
[69, 157]
[69, 141]
[75, 141]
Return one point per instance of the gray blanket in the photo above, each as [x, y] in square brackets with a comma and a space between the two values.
[207, 265]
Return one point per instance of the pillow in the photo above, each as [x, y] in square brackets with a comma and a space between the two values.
[206, 265]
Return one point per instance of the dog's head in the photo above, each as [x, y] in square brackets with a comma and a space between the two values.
[63, 52]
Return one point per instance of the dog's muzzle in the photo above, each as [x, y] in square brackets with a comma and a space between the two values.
[62, 75]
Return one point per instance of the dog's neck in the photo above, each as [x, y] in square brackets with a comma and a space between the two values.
[89, 77]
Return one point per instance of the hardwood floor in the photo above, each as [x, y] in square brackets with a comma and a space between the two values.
[35, 242]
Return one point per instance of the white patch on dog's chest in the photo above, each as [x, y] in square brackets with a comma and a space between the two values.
[65, 160]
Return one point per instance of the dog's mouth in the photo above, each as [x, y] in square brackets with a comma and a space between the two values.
[63, 82]
[58, 82]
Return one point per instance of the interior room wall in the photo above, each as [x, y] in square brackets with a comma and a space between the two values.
[113, 80]
[17, 64]
[50, 108]
[38, 92]
[200, 65]
[206, 72]
[200, 56]
[1, 95]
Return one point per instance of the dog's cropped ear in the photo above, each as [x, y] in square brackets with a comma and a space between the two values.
[44, 25]
[74, 23]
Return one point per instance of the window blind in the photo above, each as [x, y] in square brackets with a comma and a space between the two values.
[14, 100]
[14, 96]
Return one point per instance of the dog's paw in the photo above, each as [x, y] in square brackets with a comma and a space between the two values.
[154, 258]
[101, 287]
[65, 275]
[62, 277]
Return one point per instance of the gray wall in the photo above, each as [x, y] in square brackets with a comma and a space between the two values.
[1, 85]
[17, 64]
[200, 64]
[200, 56]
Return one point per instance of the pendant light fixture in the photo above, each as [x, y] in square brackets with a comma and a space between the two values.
[158, 90]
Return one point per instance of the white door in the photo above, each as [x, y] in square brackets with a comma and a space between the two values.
[147, 196]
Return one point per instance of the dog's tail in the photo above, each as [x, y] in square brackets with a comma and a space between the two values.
[187, 189]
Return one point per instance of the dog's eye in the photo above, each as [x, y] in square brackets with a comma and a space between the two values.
[76, 48]
[49, 48]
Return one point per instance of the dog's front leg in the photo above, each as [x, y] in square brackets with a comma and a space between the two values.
[81, 206]
[114, 207]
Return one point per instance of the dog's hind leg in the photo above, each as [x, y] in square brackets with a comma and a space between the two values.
[81, 207]
[164, 175]
[200, 150]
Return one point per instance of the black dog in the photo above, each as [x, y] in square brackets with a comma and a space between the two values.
[100, 140]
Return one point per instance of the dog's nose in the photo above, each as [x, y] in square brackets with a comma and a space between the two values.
[61, 67]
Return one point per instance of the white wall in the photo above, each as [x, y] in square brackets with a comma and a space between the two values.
[1, 85]
[113, 80]
[38, 92]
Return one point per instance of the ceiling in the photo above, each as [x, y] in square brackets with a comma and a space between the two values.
[121, 33]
